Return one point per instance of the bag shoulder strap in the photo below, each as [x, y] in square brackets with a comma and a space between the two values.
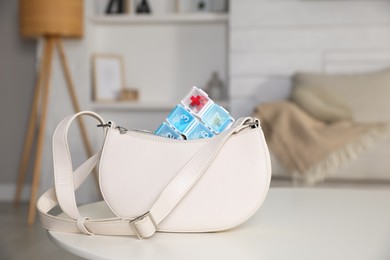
[67, 181]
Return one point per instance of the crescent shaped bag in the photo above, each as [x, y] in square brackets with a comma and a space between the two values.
[156, 184]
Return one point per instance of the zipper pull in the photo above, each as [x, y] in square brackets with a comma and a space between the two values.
[121, 129]
[108, 124]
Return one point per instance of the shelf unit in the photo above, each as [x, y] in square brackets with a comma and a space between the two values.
[156, 19]
[164, 55]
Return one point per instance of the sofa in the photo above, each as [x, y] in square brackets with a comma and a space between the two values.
[367, 96]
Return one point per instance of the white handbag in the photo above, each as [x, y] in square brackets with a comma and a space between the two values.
[152, 183]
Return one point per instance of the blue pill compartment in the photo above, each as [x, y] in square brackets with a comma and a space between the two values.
[199, 131]
[181, 119]
[217, 118]
[167, 131]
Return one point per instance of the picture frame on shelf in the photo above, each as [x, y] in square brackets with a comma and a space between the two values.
[108, 77]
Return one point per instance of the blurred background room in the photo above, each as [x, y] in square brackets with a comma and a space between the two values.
[317, 74]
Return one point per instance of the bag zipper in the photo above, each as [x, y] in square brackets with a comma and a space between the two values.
[123, 130]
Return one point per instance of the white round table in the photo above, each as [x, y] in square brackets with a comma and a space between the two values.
[293, 223]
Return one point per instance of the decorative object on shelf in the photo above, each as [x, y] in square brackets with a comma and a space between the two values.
[115, 7]
[215, 6]
[108, 77]
[201, 5]
[51, 20]
[215, 87]
[143, 7]
[128, 95]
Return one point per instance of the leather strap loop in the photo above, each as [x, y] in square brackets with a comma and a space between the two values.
[81, 226]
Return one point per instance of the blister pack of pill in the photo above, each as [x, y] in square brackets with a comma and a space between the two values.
[197, 116]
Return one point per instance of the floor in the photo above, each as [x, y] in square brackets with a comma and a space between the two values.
[17, 241]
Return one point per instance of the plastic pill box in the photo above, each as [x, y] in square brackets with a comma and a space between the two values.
[196, 117]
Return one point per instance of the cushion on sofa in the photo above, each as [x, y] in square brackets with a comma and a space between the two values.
[320, 104]
[366, 94]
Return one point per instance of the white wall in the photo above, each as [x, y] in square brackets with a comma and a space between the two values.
[17, 80]
[270, 40]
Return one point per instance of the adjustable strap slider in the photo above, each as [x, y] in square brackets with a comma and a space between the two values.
[144, 226]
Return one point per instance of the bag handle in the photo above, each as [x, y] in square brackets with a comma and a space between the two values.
[145, 225]
[62, 162]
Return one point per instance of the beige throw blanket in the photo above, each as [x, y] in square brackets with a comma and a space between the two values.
[311, 149]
